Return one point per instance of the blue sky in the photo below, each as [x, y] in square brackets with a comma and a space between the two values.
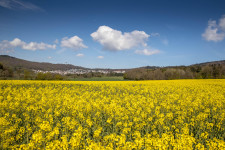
[113, 33]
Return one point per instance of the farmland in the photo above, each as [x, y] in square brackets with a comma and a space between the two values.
[175, 114]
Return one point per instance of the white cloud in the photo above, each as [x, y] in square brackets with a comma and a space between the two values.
[215, 32]
[10, 45]
[222, 23]
[74, 43]
[115, 40]
[5, 51]
[56, 41]
[17, 42]
[100, 57]
[19, 4]
[6, 46]
[49, 57]
[80, 55]
[147, 52]
[37, 46]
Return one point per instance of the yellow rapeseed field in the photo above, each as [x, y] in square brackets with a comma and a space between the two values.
[176, 114]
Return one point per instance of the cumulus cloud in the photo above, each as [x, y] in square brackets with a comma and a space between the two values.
[147, 52]
[115, 40]
[5, 46]
[11, 45]
[100, 57]
[74, 43]
[222, 23]
[80, 55]
[19, 4]
[215, 32]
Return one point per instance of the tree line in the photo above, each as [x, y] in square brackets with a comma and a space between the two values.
[5, 72]
[93, 74]
[209, 71]
[25, 74]
[206, 71]
[48, 76]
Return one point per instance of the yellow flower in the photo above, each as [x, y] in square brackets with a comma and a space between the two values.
[175, 114]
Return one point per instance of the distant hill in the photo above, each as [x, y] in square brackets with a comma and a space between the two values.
[13, 62]
[207, 70]
[150, 67]
[222, 62]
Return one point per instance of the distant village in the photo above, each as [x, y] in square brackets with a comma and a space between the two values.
[80, 71]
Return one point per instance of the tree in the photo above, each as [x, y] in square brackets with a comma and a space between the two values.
[10, 72]
[40, 76]
[1, 66]
[206, 72]
[58, 77]
[48, 76]
[27, 74]
[18, 72]
[5, 73]
[158, 75]
[216, 70]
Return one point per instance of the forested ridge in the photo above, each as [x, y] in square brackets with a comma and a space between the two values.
[210, 70]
